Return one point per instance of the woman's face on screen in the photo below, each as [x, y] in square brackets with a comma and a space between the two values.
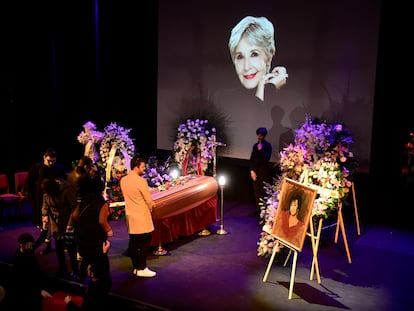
[250, 62]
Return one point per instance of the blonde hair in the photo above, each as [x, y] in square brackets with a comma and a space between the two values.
[256, 30]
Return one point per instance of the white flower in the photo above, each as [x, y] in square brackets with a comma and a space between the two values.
[197, 134]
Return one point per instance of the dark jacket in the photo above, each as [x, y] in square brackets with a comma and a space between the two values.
[259, 159]
[58, 204]
[27, 282]
[90, 233]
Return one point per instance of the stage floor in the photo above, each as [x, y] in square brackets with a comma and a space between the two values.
[223, 272]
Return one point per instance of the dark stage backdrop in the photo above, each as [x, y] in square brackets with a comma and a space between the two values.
[329, 49]
[65, 63]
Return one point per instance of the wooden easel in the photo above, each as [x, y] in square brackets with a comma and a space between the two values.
[340, 219]
[289, 185]
[292, 274]
[315, 265]
[340, 223]
[315, 245]
[303, 179]
[315, 239]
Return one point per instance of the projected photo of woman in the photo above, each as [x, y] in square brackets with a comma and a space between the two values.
[252, 47]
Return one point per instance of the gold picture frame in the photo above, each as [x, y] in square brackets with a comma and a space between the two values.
[289, 227]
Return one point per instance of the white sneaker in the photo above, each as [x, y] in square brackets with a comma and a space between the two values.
[147, 273]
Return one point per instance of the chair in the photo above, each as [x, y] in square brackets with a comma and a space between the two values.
[8, 200]
[19, 181]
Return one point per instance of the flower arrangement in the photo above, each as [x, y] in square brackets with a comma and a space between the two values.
[321, 155]
[118, 170]
[179, 181]
[157, 174]
[90, 137]
[195, 134]
[90, 134]
[116, 149]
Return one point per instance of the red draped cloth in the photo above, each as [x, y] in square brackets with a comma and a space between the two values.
[190, 221]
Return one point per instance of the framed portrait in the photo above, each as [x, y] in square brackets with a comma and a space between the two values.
[293, 213]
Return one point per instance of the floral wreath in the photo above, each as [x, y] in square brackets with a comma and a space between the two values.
[116, 138]
[195, 134]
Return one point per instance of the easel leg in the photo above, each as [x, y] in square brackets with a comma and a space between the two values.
[292, 275]
[287, 258]
[356, 210]
[337, 230]
[269, 265]
[315, 246]
[341, 224]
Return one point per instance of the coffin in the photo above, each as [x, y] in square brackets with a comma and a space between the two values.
[182, 198]
[184, 209]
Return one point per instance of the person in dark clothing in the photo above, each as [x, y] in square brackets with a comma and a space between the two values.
[48, 168]
[91, 223]
[27, 289]
[58, 204]
[260, 171]
[97, 293]
[83, 167]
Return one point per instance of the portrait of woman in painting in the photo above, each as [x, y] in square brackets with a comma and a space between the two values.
[252, 47]
[293, 214]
